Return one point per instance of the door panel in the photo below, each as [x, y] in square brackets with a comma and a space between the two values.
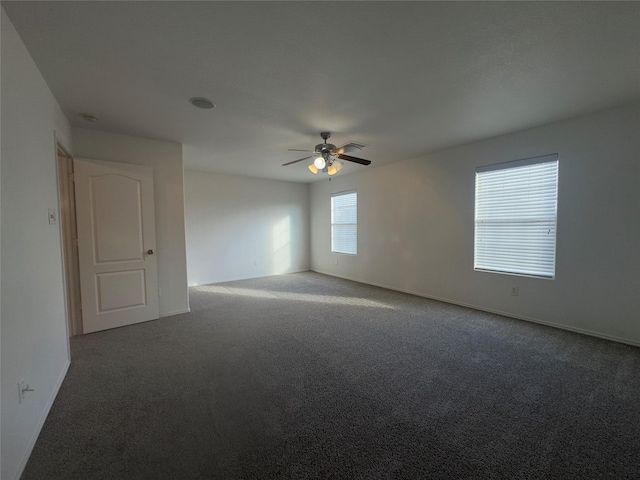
[119, 290]
[117, 218]
[116, 232]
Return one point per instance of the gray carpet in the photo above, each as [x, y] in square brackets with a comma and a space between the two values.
[308, 376]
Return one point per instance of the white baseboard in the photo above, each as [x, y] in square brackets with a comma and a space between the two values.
[41, 420]
[489, 310]
[253, 277]
[177, 312]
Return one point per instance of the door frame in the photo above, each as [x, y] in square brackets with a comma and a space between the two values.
[69, 239]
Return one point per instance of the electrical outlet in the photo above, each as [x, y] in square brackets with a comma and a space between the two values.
[514, 291]
[52, 216]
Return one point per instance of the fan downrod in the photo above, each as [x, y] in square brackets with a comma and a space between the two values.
[325, 148]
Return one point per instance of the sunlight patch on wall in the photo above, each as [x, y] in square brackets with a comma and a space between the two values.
[281, 246]
[300, 297]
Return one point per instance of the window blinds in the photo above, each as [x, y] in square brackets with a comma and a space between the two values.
[344, 223]
[515, 217]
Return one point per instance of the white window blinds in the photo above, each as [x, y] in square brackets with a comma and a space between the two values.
[344, 223]
[515, 217]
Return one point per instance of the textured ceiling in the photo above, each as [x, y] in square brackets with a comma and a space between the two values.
[404, 78]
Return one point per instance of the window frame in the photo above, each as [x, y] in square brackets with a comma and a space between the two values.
[550, 250]
[333, 224]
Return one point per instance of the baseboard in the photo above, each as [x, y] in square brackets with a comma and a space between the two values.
[177, 312]
[252, 277]
[43, 417]
[489, 310]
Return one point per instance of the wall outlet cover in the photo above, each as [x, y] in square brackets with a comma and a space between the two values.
[53, 217]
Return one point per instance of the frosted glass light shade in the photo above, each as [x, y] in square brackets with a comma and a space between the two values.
[335, 167]
[313, 169]
[319, 163]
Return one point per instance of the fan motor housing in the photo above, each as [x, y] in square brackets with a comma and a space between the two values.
[325, 148]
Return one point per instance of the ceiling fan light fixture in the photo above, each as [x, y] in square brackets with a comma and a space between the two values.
[324, 158]
[319, 162]
[334, 168]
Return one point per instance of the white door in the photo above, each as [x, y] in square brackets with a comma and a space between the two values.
[116, 244]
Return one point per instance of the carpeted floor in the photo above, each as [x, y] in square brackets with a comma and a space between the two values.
[307, 376]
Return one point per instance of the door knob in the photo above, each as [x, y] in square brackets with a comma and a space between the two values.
[149, 252]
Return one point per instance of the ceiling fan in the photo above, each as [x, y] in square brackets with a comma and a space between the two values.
[327, 156]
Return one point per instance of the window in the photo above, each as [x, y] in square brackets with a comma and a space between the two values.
[344, 223]
[515, 218]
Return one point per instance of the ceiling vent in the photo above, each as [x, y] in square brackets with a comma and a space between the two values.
[87, 117]
[202, 103]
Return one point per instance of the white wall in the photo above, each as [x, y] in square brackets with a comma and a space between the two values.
[241, 227]
[166, 160]
[33, 328]
[415, 226]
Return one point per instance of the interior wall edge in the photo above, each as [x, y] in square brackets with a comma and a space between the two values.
[34, 342]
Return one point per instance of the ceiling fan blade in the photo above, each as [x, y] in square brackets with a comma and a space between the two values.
[349, 147]
[349, 158]
[298, 150]
[296, 161]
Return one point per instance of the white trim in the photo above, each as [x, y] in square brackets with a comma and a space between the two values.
[489, 310]
[177, 312]
[249, 278]
[59, 144]
[40, 424]
[343, 192]
[552, 157]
